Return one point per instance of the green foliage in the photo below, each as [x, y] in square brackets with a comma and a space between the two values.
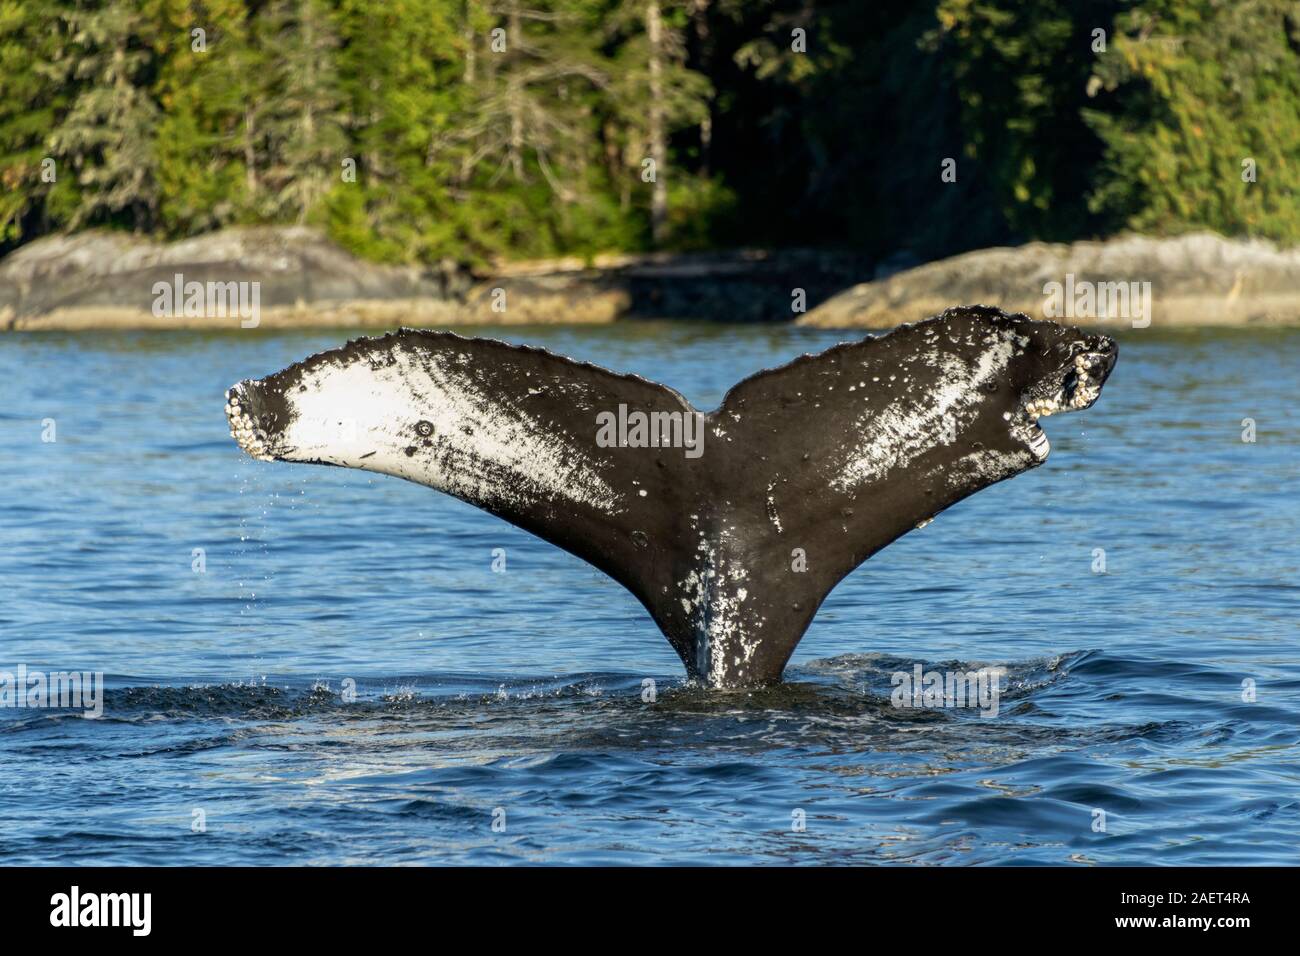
[398, 65]
[415, 130]
[108, 135]
[1203, 88]
[202, 178]
[1020, 69]
[29, 104]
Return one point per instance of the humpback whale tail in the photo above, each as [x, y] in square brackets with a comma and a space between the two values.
[730, 527]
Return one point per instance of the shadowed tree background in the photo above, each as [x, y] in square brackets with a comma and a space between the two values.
[418, 130]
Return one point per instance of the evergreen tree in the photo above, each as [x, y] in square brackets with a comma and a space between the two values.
[529, 128]
[399, 65]
[415, 130]
[299, 139]
[107, 137]
[204, 85]
[654, 95]
[29, 103]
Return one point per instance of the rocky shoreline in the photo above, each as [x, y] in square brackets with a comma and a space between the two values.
[298, 279]
[1196, 279]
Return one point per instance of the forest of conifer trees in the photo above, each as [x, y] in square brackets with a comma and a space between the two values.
[416, 130]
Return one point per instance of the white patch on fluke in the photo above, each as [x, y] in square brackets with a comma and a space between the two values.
[482, 448]
[772, 514]
[922, 418]
[713, 600]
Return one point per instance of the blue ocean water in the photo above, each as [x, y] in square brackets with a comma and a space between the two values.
[501, 717]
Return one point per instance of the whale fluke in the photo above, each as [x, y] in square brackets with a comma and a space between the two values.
[730, 527]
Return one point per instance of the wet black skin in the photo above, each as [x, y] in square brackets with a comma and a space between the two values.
[787, 434]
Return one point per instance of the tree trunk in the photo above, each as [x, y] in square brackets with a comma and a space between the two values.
[308, 193]
[471, 59]
[700, 18]
[250, 155]
[658, 147]
[515, 95]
